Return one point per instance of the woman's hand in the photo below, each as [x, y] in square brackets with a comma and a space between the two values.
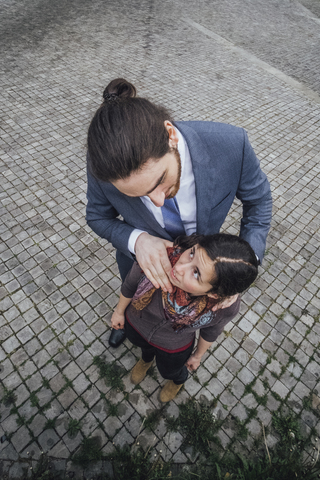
[227, 302]
[193, 362]
[117, 320]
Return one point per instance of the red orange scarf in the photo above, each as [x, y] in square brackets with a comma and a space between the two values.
[181, 309]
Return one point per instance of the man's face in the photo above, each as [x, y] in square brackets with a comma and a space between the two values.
[158, 179]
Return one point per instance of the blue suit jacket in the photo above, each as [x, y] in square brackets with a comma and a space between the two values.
[224, 166]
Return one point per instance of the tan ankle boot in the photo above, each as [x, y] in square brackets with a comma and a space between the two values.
[169, 391]
[139, 371]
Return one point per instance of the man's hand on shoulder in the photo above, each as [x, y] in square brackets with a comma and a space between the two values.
[151, 254]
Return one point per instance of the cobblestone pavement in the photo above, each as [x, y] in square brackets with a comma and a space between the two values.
[59, 282]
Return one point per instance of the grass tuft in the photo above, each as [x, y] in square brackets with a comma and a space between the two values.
[110, 372]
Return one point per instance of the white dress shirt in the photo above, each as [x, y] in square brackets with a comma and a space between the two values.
[186, 197]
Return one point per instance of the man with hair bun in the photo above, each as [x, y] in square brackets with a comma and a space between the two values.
[166, 179]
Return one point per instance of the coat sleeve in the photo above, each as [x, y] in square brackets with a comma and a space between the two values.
[255, 195]
[101, 216]
[130, 285]
[224, 316]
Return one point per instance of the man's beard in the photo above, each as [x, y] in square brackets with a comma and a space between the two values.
[176, 186]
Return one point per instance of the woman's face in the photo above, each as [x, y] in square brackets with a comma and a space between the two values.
[193, 272]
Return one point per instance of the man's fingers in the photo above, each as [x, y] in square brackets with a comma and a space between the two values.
[150, 277]
[168, 243]
[159, 277]
[152, 256]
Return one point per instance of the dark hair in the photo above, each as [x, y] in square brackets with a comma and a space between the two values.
[125, 133]
[235, 263]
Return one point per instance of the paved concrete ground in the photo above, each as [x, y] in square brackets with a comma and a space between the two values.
[59, 282]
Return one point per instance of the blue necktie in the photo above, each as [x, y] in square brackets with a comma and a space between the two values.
[171, 217]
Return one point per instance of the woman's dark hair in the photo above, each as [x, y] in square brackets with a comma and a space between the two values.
[125, 133]
[235, 263]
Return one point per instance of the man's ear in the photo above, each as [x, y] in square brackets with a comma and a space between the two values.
[173, 137]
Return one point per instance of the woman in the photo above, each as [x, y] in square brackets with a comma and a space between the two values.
[205, 271]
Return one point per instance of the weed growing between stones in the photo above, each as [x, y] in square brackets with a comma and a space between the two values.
[90, 451]
[113, 409]
[242, 430]
[34, 400]
[50, 424]
[74, 426]
[287, 427]
[152, 372]
[285, 461]
[42, 471]
[136, 465]
[9, 397]
[110, 372]
[198, 425]
[152, 420]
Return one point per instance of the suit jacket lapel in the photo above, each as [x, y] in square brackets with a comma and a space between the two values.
[204, 175]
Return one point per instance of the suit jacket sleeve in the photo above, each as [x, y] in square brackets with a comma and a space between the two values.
[101, 216]
[255, 195]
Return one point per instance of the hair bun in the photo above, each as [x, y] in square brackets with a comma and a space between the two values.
[119, 88]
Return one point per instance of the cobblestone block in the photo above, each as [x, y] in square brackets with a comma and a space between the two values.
[212, 364]
[32, 451]
[78, 409]
[57, 383]
[123, 438]
[240, 412]
[17, 469]
[80, 384]
[21, 394]
[54, 409]
[203, 374]
[224, 439]
[27, 410]
[249, 401]
[237, 388]
[72, 443]
[280, 389]
[112, 425]
[215, 387]
[60, 450]
[148, 385]
[20, 439]
[245, 376]
[9, 453]
[173, 440]
[308, 379]
[192, 387]
[67, 397]
[274, 367]
[224, 376]
[72, 371]
[242, 356]
[10, 344]
[41, 358]
[272, 404]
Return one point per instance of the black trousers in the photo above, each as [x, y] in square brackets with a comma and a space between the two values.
[170, 365]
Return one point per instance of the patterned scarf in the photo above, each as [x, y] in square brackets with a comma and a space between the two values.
[180, 308]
